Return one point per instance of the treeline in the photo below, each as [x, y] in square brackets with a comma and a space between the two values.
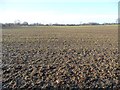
[12, 25]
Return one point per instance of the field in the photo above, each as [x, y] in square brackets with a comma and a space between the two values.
[71, 57]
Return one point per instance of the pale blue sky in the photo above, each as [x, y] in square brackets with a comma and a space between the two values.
[62, 11]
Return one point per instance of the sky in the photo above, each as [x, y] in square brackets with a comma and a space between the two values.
[59, 11]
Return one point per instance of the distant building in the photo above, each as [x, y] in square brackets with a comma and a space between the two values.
[25, 23]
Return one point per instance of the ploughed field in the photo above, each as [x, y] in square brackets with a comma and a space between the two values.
[60, 57]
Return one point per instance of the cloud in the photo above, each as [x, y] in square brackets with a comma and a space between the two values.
[54, 17]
